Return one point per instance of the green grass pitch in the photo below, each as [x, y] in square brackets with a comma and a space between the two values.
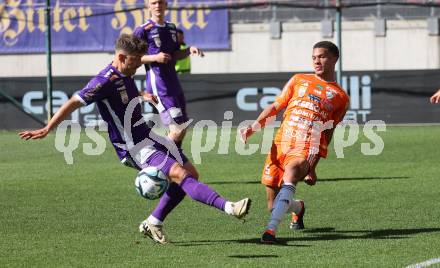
[365, 211]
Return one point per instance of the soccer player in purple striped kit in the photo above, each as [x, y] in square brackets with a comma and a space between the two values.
[117, 99]
[162, 81]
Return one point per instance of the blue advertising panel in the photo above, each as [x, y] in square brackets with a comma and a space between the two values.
[88, 25]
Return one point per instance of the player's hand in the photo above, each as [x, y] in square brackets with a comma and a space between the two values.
[149, 98]
[436, 97]
[311, 178]
[34, 134]
[245, 133]
[162, 57]
[196, 51]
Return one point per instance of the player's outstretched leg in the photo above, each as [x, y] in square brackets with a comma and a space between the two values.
[281, 205]
[171, 199]
[204, 194]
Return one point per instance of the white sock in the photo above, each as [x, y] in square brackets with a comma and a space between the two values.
[153, 220]
[229, 209]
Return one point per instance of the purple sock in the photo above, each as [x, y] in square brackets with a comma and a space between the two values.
[202, 193]
[172, 197]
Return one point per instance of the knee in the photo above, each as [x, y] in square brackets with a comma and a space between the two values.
[177, 173]
[176, 133]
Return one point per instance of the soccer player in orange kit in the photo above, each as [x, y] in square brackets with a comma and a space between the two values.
[314, 104]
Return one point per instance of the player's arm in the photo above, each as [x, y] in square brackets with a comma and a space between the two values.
[183, 53]
[66, 109]
[147, 97]
[159, 57]
[260, 122]
[436, 97]
[142, 33]
[311, 177]
[280, 103]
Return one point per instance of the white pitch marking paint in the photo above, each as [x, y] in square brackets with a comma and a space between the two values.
[425, 263]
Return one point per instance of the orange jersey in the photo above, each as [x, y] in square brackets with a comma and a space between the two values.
[312, 105]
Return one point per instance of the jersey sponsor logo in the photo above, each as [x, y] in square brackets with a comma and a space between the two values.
[305, 113]
[317, 92]
[319, 87]
[174, 37]
[314, 98]
[307, 105]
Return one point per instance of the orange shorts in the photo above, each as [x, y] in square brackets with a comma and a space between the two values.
[276, 160]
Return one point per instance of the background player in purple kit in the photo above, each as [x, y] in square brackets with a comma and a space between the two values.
[162, 80]
[117, 98]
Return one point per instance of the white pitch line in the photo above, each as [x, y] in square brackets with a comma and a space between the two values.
[425, 263]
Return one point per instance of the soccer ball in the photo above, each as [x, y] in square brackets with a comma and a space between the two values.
[151, 183]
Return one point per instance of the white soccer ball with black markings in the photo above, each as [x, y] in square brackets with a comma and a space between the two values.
[151, 183]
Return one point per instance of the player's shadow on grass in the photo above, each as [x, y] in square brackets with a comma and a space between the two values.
[281, 242]
[319, 180]
[332, 234]
[253, 256]
[318, 234]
